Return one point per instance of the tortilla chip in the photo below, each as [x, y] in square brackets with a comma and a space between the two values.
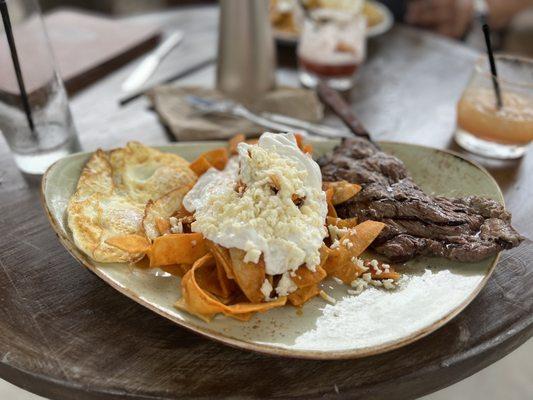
[342, 191]
[227, 286]
[130, 243]
[299, 140]
[162, 225]
[249, 276]
[222, 257]
[198, 302]
[194, 299]
[392, 274]
[303, 294]
[156, 213]
[200, 166]
[386, 275]
[304, 277]
[234, 141]
[352, 244]
[177, 248]
[329, 199]
[340, 265]
[209, 278]
[342, 223]
[176, 269]
[218, 158]
[307, 148]
[365, 233]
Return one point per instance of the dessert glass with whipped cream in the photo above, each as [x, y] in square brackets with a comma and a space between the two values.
[332, 46]
[268, 202]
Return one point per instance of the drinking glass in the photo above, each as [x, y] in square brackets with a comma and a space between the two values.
[35, 117]
[332, 46]
[488, 130]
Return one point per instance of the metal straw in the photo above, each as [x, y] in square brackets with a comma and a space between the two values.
[16, 64]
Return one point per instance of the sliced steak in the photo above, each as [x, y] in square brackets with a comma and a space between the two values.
[463, 229]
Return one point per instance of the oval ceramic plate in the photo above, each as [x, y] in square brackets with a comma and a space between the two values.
[433, 291]
[291, 38]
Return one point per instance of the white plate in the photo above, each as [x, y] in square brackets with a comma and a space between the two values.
[434, 290]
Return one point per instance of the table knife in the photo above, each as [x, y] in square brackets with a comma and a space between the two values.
[150, 63]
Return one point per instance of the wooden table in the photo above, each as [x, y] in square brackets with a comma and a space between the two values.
[64, 334]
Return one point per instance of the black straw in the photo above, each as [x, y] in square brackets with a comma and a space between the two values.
[16, 64]
[494, 73]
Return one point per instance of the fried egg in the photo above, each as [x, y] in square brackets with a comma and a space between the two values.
[113, 193]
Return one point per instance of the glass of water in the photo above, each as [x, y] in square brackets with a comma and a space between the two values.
[35, 117]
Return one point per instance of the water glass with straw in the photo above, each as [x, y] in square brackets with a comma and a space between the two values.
[35, 117]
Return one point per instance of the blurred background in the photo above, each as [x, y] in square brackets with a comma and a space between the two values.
[509, 378]
[515, 35]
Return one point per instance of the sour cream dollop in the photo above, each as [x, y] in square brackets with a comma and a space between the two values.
[262, 218]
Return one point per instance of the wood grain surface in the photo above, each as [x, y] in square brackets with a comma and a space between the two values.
[64, 334]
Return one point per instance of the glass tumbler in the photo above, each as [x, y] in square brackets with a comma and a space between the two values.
[35, 117]
[332, 46]
[485, 128]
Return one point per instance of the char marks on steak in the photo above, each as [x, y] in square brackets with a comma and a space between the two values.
[463, 229]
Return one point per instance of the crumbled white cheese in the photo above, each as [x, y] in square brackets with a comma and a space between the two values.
[285, 285]
[389, 284]
[335, 232]
[286, 234]
[360, 263]
[252, 256]
[338, 280]
[359, 285]
[347, 243]
[374, 263]
[176, 226]
[367, 276]
[327, 297]
[266, 289]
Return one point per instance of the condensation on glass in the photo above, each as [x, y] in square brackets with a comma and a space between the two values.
[53, 135]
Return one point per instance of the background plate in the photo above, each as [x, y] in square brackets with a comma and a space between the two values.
[434, 290]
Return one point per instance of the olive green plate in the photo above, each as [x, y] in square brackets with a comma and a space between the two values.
[433, 291]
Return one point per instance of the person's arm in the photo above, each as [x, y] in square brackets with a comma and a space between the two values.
[501, 12]
[447, 17]
[453, 17]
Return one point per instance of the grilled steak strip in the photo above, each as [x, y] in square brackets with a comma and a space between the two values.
[464, 229]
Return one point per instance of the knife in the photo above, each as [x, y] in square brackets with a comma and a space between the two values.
[150, 63]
